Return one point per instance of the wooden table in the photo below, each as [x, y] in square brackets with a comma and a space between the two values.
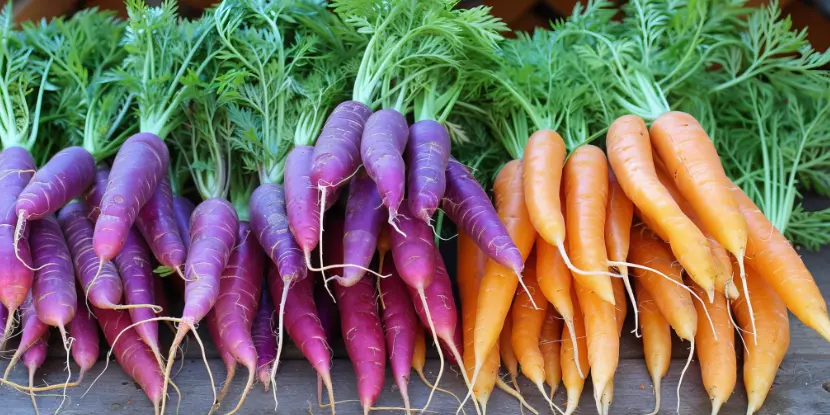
[801, 388]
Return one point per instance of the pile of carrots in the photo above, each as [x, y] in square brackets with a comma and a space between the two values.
[703, 257]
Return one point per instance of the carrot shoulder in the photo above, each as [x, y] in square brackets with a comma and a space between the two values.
[544, 157]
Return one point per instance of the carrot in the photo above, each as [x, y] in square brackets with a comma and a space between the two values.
[586, 191]
[620, 312]
[656, 340]
[718, 365]
[603, 343]
[544, 157]
[419, 354]
[506, 351]
[762, 359]
[774, 260]
[693, 162]
[555, 282]
[629, 153]
[572, 377]
[550, 346]
[619, 213]
[527, 330]
[723, 265]
[499, 283]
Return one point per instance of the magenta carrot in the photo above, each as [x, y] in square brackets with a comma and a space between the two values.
[84, 330]
[95, 193]
[381, 149]
[240, 288]
[139, 167]
[157, 223]
[265, 340]
[53, 291]
[269, 223]
[468, 206]
[400, 325]
[326, 311]
[225, 354]
[364, 218]
[33, 359]
[427, 155]
[302, 204]
[16, 169]
[132, 354]
[33, 330]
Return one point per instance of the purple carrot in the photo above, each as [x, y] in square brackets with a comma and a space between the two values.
[53, 291]
[16, 169]
[84, 330]
[400, 325]
[33, 359]
[327, 311]
[105, 290]
[302, 204]
[412, 252]
[364, 218]
[224, 353]
[427, 154]
[4, 315]
[132, 354]
[33, 330]
[182, 210]
[95, 193]
[136, 271]
[157, 223]
[269, 222]
[467, 204]
[381, 149]
[63, 178]
[363, 335]
[336, 155]
[240, 288]
[213, 229]
[139, 167]
[265, 340]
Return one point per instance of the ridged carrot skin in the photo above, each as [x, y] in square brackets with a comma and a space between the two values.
[527, 328]
[63, 178]
[135, 267]
[93, 195]
[574, 383]
[656, 333]
[630, 155]
[399, 324]
[544, 157]
[32, 331]
[84, 330]
[718, 363]
[53, 290]
[269, 223]
[427, 155]
[550, 345]
[603, 339]
[772, 258]
[302, 201]
[585, 186]
[265, 341]
[157, 223]
[364, 219]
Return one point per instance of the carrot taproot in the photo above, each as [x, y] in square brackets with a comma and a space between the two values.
[773, 259]
[762, 359]
[656, 333]
[506, 351]
[619, 214]
[550, 345]
[629, 153]
[718, 364]
[585, 187]
[603, 340]
[572, 376]
[620, 312]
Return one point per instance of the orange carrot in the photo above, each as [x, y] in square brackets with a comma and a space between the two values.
[620, 306]
[656, 340]
[629, 153]
[498, 284]
[761, 360]
[506, 352]
[774, 259]
[550, 346]
[555, 282]
[573, 378]
[603, 339]
[544, 157]
[586, 192]
[718, 364]
[619, 213]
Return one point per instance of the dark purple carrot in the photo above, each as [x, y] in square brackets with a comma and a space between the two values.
[265, 340]
[132, 354]
[400, 325]
[269, 222]
[427, 154]
[182, 211]
[467, 204]
[240, 288]
[213, 229]
[16, 169]
[327, 311]
[63, 178]
[33, 359]
[84, 330]
[137, 277]
[227, 357]
[364, 219]
[302, 204]
[139, 167]
[95, 193]
[381, 149]
[33, 330]
[53, 290]
[4, 315]
[157, 223]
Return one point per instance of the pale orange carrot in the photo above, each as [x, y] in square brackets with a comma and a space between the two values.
[603, 339]
[573, 378]
[629, 153]
[620, 305]
[774, 259]
[619, 213]
[761, 360]
[544, 157]
[656, 340]
[506, 352]
[550, 345]
[718, 364]
[585, 181]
